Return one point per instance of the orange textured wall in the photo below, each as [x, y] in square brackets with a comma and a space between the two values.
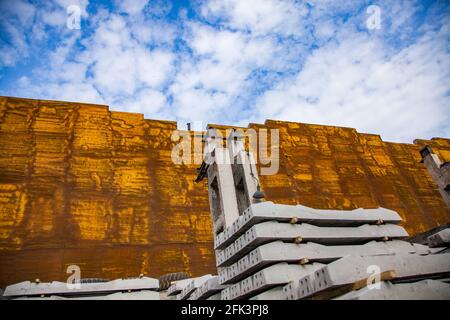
[80, 184]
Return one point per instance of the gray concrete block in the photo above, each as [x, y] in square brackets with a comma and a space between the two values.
[272, 231]
[291, 290]
[272, 276]
[207, 289]
[421, 290]
[268, 211]
[177, 286]
[225, 293]
[351, 269]
[229, 293]
[278, 251]
[192, 286]
[424, 250]
[28, 288]
[440, 239]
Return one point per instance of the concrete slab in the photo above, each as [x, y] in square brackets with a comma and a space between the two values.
[137, 295]
[268, 211]
[177, 286]
[270, 277]
[351, 269]
[272, 231]
[278, 251]
[440, 239]
[231, 292]
[225, 293]
[207, 289]
[421, 290]
[28, 288]
[192, 286]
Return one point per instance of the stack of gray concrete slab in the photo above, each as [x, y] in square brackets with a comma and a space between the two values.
[96, 290]
[273, 252]
[177, 286]
[268, 211]
[271, 248]
[273, 230]
[352, 269]
[192, 286]
[209, 288]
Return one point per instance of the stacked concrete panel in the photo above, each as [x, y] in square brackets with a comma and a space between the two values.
[208, 289]
[268, 211]
[272, 231]
[294, 252]
[177, 286]
[273, 252]
[354, 271]
[119, 289]
[192, 286]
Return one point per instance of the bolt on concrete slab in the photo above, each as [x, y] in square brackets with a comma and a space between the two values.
[268, 211]
[272, 231]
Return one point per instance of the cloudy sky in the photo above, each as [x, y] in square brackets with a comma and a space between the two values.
[235, 62]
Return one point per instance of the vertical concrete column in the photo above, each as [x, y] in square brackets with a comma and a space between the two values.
[244, 170]
[221, 188]
[440, 172]
[232, 177]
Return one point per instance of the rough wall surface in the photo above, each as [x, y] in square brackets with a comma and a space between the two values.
[83, 185]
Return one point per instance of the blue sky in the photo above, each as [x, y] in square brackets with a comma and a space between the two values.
[235, 62]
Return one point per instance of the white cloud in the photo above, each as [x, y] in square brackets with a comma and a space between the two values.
[147, 101]
[230, 47]
[115, 68]
[20, 14]
[258, 16]
[64, 4]
[26, 25]
[120, 64]
[355, 84]
[209, 83]
[132, 6]
[19, 9]
[244, 61]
